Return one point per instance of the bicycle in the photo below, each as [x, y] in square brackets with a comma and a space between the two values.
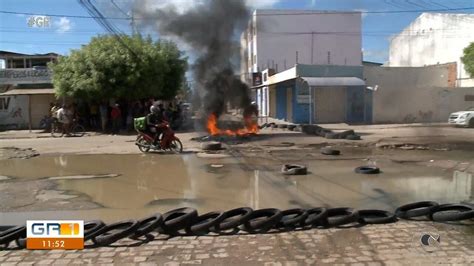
[76, 129]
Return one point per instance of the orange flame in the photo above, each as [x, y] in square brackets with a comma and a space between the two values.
[251, 127]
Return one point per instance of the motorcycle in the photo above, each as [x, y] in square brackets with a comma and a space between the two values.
[168, 142]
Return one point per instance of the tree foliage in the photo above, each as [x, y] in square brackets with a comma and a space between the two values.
[107, 69]
[468, 59]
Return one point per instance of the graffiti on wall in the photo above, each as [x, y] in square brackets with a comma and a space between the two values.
[13, 111]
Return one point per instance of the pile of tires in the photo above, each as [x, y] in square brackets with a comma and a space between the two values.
[187, 221]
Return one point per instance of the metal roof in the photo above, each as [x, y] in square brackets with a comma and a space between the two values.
[27, 92]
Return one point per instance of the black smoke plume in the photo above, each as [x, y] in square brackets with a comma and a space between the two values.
[211, 30]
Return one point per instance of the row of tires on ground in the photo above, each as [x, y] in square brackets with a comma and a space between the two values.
[315, 130]
[187, 221]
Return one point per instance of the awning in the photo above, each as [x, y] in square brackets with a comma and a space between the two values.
[27, 92]
[334, 81]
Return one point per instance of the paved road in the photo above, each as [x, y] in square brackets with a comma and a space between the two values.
[392, 244]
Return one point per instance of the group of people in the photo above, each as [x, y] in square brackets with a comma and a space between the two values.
[112, 117]
[62, 116]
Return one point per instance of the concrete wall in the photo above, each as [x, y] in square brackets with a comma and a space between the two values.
[318, 40]
[434, 39]
[414, 95]
[40, 108]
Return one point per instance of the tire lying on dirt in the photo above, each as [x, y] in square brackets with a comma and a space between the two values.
[291, 127]
[416, 209]
[294, 169]
[367, 170]
[310, 129]
[376, 217]
[332, 135]
[329, 151]
[353, 137]
[211, 146]
[452, 212]
[346, 133]
[322, 132]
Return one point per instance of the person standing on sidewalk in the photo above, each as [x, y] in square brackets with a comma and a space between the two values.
[104, 113]
[94, 113]
[64, 117]
[116, 116]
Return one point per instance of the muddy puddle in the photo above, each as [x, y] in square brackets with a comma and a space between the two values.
[112, 187]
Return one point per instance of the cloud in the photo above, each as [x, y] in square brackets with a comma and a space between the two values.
[364, 14]
[63, 25]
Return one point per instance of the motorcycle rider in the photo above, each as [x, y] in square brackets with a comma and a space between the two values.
[154, 121]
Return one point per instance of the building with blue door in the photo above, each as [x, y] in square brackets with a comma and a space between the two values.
[316, 94]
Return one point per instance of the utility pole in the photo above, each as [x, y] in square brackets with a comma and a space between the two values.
[134, 29]
[312, 47]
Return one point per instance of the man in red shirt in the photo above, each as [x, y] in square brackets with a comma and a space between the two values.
[116, 116]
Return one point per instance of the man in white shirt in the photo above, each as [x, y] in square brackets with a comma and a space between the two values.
[63, 115]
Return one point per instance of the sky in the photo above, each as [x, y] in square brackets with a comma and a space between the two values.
[65, 33]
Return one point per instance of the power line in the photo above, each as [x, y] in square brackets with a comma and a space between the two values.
[335, 32]
[322, 12]
[120, 9]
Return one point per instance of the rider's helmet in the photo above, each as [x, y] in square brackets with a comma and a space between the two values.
[154, 109]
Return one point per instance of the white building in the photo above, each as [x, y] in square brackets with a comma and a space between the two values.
[279, 39]
[435, 38]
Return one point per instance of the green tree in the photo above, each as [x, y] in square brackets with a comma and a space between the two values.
[105, 68]
[468, 59]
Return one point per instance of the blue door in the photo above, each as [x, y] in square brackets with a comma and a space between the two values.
[281, 103]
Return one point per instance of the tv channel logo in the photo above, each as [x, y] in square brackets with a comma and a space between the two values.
[55, 234]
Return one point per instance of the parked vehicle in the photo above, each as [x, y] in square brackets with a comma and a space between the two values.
[169, 141]
[462, 118]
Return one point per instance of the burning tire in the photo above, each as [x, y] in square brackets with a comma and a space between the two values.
[211, 146]
[294, 169]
